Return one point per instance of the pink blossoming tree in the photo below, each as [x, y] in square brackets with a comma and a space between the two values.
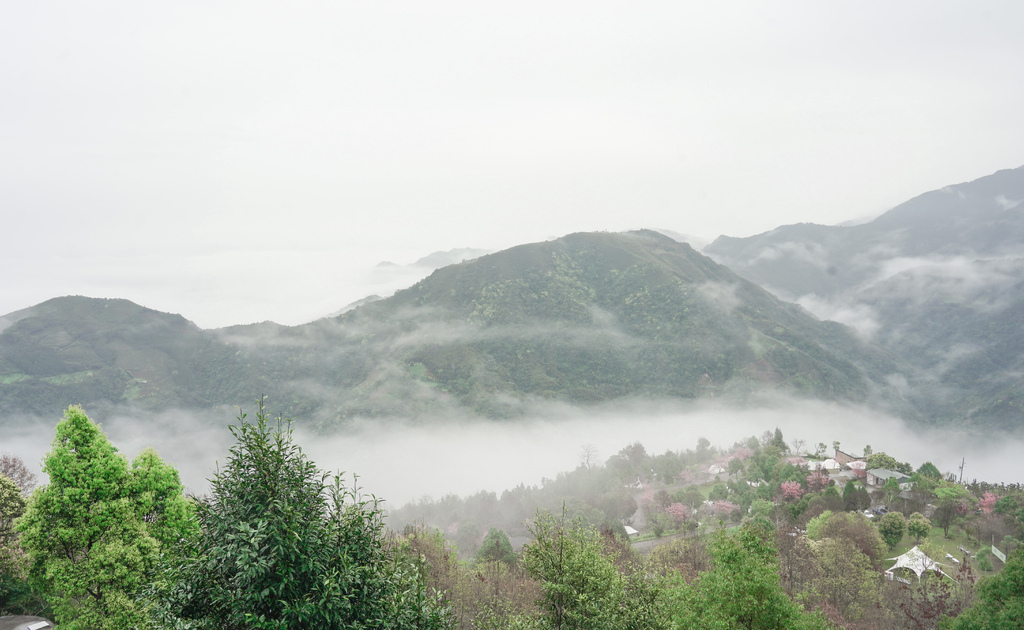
[988, 501]
[792, 490]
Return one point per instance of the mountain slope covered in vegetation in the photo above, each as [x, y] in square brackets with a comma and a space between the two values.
[586, 318]
[939, 280]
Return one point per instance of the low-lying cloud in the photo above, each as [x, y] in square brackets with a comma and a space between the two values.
[405, 461]
[860, 317]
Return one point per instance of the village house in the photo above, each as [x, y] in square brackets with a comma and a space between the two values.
[846, 458]
[878, 476]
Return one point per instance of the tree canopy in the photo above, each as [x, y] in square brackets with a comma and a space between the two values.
[892, 527]
[1000, 601]
[282, 544]
[12, 505]
[95, 532]
[496, 547]
[742, 591]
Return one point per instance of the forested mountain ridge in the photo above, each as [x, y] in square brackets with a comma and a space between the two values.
[597, 316]
[78, 348]
[582, 319]
[939, 280]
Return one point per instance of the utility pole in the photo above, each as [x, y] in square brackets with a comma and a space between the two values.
[962, 460]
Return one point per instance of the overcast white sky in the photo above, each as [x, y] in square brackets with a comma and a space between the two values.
[243, 161]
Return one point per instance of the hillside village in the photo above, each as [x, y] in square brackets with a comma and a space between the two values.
[860, 536]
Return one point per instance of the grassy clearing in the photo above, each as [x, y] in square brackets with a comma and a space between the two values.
[66, 379]
[937, 546]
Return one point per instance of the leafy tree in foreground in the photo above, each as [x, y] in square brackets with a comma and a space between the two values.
[844, 578]
[283, 545]
[1000, 601]
[742, 591]
[94, 534]
[581, 587]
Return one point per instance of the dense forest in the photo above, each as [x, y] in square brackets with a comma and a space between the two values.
[763, 534]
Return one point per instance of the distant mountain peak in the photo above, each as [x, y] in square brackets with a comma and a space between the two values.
[450, 257]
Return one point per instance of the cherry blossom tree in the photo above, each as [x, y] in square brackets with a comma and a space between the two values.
[817, 481]
[792, 490]
[988, 501]
[743, 453]
[723, 509]
[679, 512]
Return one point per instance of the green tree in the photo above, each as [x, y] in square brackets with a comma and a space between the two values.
[692, 497]
[881, 460]
[844, 578]
[892, 527]
[14, 591]
[581, 587]
[849, 492]
[856, 528]
[742, 591]
[284, 545]
[778, 441]
[93, 535]
[855, 498]
[816, 526]
[496, 548]
[759, 508]
[918, 526]
[12, 505]
[891, 489]
[928, 469]
[950, 499]
[1000, 600]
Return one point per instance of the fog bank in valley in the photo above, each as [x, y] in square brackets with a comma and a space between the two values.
[403, 461]
[407, 463]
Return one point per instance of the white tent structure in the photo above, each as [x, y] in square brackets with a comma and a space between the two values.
[858, 465]
[828, 464]
[918, 562]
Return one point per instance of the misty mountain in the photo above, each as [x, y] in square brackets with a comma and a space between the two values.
[975, 220]
[86, 350]
[594, 317]
[936, 280]
[583, 319]
[450, 257]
